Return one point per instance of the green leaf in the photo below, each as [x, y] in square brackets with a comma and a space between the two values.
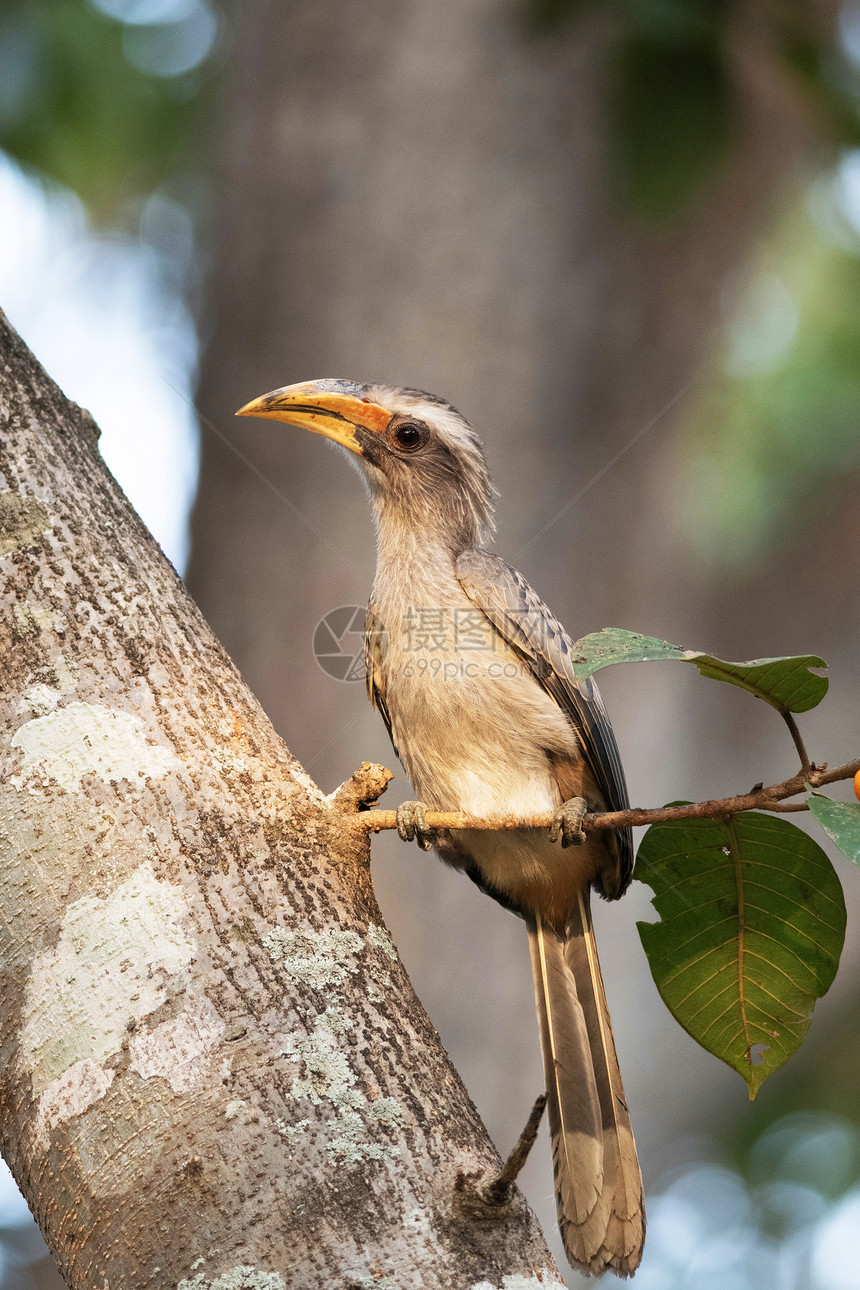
[840, 821]
[785, 683]
[77, 110]
[752, 926]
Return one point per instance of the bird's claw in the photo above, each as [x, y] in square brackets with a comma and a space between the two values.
[567, 822]
[412, 824]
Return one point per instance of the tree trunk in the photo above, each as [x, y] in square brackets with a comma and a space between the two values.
[214, 1070]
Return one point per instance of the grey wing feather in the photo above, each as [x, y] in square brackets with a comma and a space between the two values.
[374, 655]
[520, 616]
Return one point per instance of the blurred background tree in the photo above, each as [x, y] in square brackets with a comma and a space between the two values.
[625, 239]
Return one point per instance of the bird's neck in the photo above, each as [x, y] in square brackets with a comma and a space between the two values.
[415, 562]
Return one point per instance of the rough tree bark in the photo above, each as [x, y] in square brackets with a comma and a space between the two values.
[215, 1073]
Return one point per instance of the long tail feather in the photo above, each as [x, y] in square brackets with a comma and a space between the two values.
[598, 1184]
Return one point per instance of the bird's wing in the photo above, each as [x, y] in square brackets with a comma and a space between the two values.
[374, 656]
[519, 615]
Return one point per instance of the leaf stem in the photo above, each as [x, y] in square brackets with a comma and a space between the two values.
[805, 764]
[765, 799]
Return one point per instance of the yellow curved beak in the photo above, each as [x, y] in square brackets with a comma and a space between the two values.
[335, 409]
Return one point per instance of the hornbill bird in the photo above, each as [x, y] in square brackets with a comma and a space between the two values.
[474, 679]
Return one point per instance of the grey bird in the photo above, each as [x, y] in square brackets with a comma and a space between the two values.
[474, 679]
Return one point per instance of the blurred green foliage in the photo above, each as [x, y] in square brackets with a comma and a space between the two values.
[80, 103]
[775, 429]
[672, 119]
[673, 103]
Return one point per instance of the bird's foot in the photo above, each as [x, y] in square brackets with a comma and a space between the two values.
[412, 824]
[567, 822]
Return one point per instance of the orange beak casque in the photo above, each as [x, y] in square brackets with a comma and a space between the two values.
[336, 409]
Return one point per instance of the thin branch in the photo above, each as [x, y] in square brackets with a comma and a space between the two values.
[805, 764]
[498, 1190]
[765, 799]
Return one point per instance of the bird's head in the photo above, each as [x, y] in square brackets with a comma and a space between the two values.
[423, 463]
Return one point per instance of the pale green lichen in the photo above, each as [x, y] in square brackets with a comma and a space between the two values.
[292, 1132]
[83, 739]
[107, 968]
[243, 1277]
[329, 1078]
[335, 1020]
[386, 1110]
[378, 1283]
[316, 959]
[65, 674]
[233, 1108]
[23, 622]
[23, 520]
[30, 618]
[381, 938]
[325, 960]
[327, 1071]
[516, 1281]
[347, 1141]
[42, 699]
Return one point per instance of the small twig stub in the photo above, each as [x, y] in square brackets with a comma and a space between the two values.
[498, 1190]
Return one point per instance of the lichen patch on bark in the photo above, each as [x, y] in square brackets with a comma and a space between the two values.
[328, 1077]
[517, 1281]
[107, 969]
[381, 938]
[243, 1277]
[318, 959]
[83, 739]
[41, 699]
[23, 520]
[30, 617]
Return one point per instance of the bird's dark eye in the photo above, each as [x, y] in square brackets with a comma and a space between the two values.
[409, 435]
